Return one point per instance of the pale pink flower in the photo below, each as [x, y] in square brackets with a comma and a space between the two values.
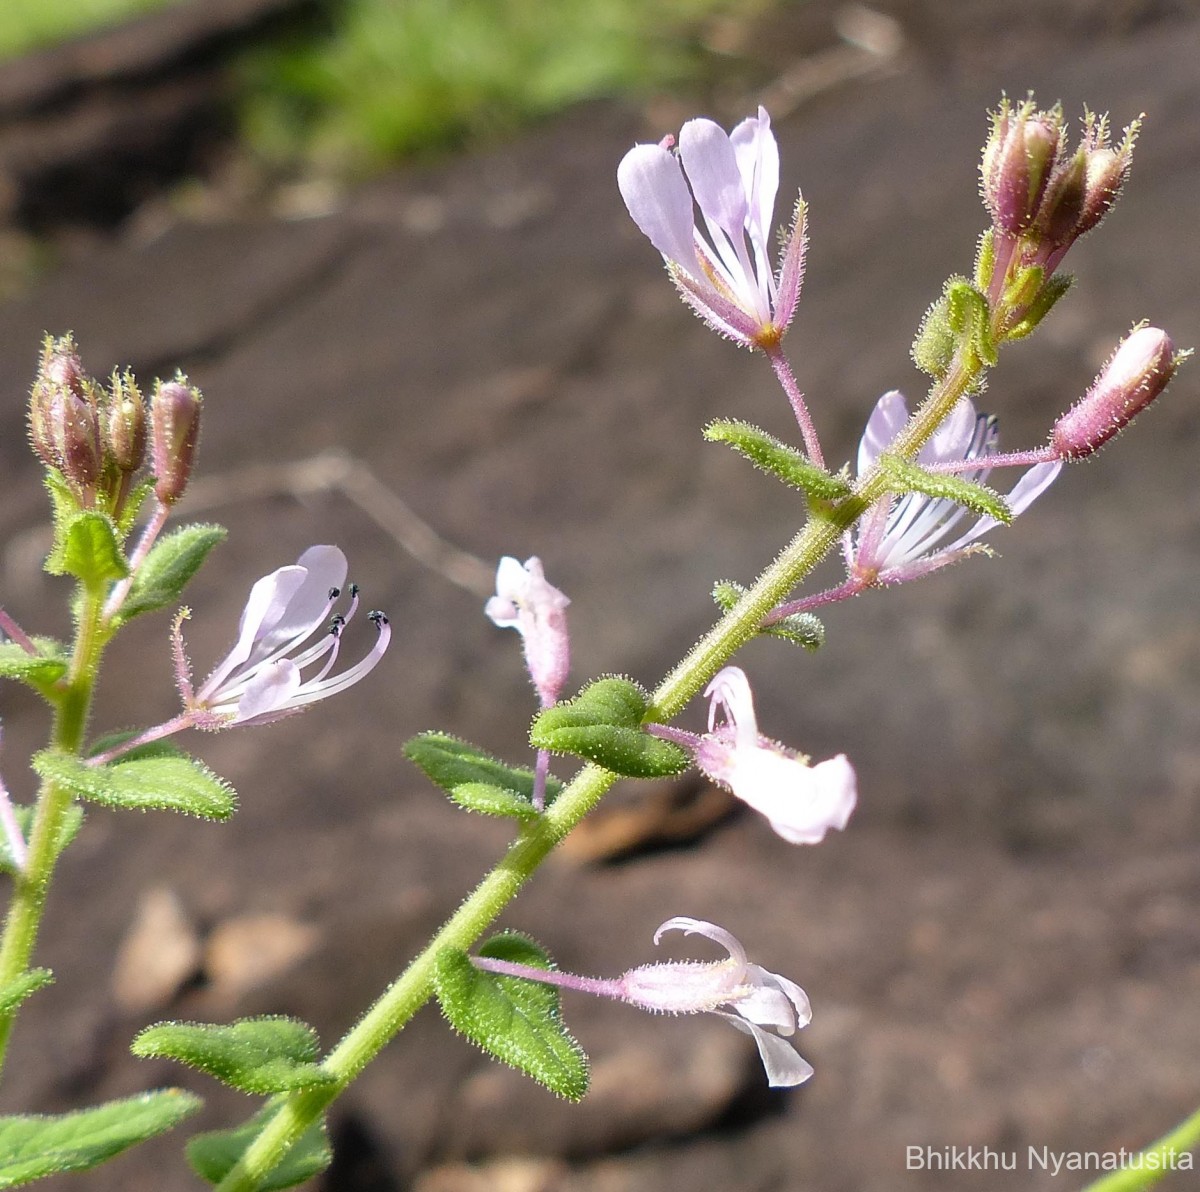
[526, 602]
[726, 278]
[262, 678]
[904, 538]
[801, 802]
[764, 1005]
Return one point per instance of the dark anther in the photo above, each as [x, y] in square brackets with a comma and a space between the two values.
[334, 593]
[377, 618]
[353, 591]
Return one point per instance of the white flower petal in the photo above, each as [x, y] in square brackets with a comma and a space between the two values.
[269, 692]
[651, 183]
[325, 570]
[757, 155]
[784, 1066]
[712, 169]
[886, 421]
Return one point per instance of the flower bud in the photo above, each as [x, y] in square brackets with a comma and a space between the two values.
[175, 421]
[1107, 169]
[1017, 163]
[1062, 205]
[75, 429]
[1138, 371]
[126, 424]
[60, 371]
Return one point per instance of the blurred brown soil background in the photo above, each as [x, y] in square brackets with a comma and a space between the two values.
[1003, 949]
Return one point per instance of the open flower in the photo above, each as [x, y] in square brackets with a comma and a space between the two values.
[263, 677]
[801, 802]
[764, 1005]
[904, 538]
[536, 609]
[727, 279]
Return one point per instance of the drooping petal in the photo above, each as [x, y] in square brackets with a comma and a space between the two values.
[784, 1066]
[657, 197]
[325, 570]
[800, 802]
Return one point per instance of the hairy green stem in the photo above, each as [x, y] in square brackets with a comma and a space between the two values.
[53, 801]
[401, 1000]
[1159, 1159]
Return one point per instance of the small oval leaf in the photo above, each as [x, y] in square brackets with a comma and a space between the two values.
[33, 1147]
[164, 574]
[453, 764]
[41, 670]
[513, 1019]
[603, 724]
[164, 781]
[257, 1055]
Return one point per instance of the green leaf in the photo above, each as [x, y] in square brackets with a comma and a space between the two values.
[801, 629]
[32, 1146]
[256, 1055]
[778, 459]
[64, 506]
[92, 550]
[474, 779]
[162, 781]
[160, 580]
[603, 724]
[68, 829]
[1047, 298]
[906, 477]
[516, 1020]
[213, 1155]
[28, 983]
[41, 670]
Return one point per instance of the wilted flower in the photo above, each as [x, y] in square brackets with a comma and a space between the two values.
[262, 678]
[764, 1005]
[526, 602]
[901, 538]
[801, 802]
[726, 278]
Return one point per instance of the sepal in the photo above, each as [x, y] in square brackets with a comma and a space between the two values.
[515, 1020]
[603, 724]
[906, 477]
[33, 1146]
[778, 459]
[1054, 288]
[255, 1055]
[214, 1154]
[158, 777]
[475, 780]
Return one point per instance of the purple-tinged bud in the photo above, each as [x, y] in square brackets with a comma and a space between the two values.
[1107, 169]
[59, 375]
[1062, 205]
[1017, 163]
[175, 421]
[126, 424]
[76, 433]
[1138, 371]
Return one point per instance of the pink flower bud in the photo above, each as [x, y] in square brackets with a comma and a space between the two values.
[60, 376]
[76, 433]
[1062, 205]
[1138, 371]
[127, 424]
[1017, 163]
[175, 420]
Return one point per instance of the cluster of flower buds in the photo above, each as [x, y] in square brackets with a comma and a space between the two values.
[1042, 196]
[96, 437]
